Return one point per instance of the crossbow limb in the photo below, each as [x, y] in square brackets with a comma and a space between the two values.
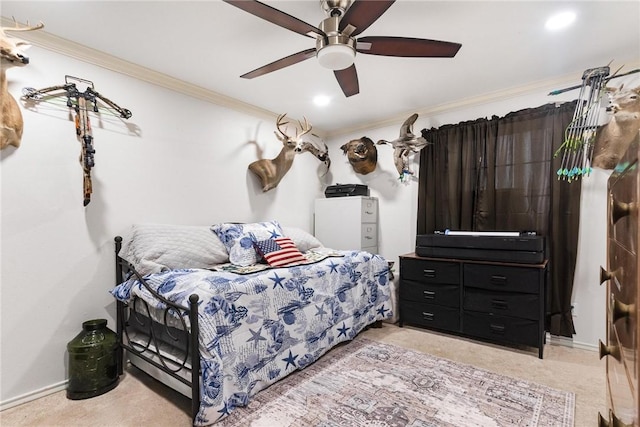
[83, 125]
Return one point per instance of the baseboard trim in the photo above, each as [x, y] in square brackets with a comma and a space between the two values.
[570, 342]
[37, 394]
[33, 395]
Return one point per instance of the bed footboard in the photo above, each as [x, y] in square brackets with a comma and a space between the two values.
[145, 335]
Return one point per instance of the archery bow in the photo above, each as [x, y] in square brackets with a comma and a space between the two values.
[82, 122]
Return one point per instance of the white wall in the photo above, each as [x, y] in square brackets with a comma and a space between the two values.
[177, 160]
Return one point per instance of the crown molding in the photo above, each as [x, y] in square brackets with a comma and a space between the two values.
[543, 86]
[83, 53]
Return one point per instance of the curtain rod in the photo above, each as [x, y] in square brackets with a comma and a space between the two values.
[559, 91]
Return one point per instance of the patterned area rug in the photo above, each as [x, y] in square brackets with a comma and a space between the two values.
[367, 383]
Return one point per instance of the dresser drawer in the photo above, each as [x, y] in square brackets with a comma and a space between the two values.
[430, 271]
[623, 221]
[369, 210]
[501, 328]
[628, 355]
[623, 265]
[502, 303]
[620, 392]
[430, 315]
[369, 235]
[503, 278]
[430, 293]
[624, 328]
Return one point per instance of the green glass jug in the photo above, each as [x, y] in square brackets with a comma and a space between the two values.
[93, 366]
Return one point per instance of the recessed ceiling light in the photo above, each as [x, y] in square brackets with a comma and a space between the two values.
[321, 100]
[560, 20]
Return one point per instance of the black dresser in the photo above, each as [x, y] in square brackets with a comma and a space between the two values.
[498, 301]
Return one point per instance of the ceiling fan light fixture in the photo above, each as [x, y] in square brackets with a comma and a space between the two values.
[336, 56]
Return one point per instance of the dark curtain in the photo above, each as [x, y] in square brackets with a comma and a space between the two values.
[499, 174]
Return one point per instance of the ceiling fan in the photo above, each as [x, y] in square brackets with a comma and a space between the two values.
[336, 42]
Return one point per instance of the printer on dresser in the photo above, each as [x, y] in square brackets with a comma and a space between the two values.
[487, 287]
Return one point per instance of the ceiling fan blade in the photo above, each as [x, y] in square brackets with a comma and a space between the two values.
[277, 17]
[407, 47]
[281, 63]
[348, 80]
[362, 14]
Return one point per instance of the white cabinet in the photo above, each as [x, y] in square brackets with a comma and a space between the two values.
[347, 222]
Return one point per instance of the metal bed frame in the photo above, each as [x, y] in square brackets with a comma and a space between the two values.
[131, 317]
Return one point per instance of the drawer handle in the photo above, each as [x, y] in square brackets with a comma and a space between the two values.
[427, 316]
[498, 329]
[429, 273]
[605, 275]
[602, 421]
[429, 294]
[617, 422]
[621, 209]
[608, 275]
[609, 350]
[498, 280]
[499, 304]
[620, 310]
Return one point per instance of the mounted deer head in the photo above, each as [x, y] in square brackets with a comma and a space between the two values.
[11, 55]
[613, 139]
[271, 171]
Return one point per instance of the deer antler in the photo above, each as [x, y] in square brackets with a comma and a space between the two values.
[304, 128]
[26, 28]
[283, 133]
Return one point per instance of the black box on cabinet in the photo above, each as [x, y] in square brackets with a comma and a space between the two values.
[343, 190]
[528, 249]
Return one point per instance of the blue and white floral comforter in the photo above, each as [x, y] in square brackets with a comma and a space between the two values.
[257, 328]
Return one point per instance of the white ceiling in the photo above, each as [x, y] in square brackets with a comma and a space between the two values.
[211, 43]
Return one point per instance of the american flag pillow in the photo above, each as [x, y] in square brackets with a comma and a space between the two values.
[279, 252]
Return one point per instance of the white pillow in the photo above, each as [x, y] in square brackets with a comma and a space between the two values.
[239, 238]
[152, 248]
[303, 240]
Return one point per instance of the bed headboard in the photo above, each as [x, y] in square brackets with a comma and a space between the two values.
[122, 266]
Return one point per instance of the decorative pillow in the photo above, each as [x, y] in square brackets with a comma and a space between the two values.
[152, 248]
[279, 252]
[303, 240]
[239, 238]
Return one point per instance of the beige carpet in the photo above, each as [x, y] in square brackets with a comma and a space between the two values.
[369, 383]
[141, 401]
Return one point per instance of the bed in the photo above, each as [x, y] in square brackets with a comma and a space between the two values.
[219, 313]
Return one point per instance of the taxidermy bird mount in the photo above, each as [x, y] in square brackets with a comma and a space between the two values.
[405, 145]
[336, 42]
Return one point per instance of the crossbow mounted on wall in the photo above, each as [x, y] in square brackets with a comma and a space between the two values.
[80, 102]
